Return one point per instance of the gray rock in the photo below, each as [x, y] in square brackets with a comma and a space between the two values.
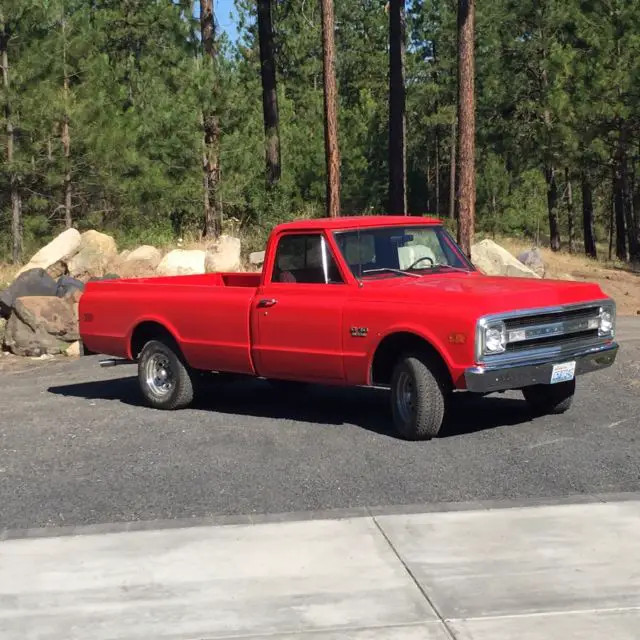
[533, 259]
[257, 257]
[41, 325]
[34, 282]
[67, 285]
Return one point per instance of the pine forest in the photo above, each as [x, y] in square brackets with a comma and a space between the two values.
[142, 118]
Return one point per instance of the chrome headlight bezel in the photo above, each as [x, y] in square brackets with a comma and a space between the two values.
[497, 329]
[607, 318]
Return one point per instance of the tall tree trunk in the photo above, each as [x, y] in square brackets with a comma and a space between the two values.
[211, 121]
[16, 201]
[466, 123]
[612, 215]
[332, 151]
[269, 93]
[570, 212]
[587, 217]
[437, 175]
[66, 136]
[619, 207]
[397, 110]
[552, 207]
[453, 171]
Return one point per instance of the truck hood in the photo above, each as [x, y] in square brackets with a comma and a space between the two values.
[482, 294]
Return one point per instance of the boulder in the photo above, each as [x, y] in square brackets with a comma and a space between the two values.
[34, 282]
[68, 285]
[182, 262]
[493, 260]
[97, 250]
[145, 253]
[56, 253]
[140, 262]
[223, 255]
[533, 260]
[41, 325]
[257, 257]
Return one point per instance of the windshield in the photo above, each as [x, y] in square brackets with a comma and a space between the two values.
[400, 251]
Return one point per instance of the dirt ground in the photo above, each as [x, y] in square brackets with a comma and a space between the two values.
[619, 281]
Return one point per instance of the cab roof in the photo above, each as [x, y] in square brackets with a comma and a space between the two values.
[354, 222]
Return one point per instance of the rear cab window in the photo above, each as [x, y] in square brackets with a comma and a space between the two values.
[305, 258]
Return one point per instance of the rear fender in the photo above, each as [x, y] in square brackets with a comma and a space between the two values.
[162, 322]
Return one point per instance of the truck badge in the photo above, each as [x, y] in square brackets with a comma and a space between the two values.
[359, 332]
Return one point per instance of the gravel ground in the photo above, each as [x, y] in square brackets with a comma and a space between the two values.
[76, 447]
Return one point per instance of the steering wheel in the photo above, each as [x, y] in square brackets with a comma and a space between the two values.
[418, 261]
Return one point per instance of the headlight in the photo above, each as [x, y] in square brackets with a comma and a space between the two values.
[607, 321]
[494, 339]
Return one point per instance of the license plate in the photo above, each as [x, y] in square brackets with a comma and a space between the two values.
[563, 372]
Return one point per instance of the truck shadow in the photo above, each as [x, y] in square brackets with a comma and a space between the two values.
[368, 409]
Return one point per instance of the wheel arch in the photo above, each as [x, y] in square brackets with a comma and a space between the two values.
[402, 341]
[147, 330]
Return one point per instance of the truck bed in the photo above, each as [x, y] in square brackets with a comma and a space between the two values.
[208, 315]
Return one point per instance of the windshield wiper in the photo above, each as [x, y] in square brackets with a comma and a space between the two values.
[383, 269]
[449, 266]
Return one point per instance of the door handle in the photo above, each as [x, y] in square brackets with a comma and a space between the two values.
[266, 302]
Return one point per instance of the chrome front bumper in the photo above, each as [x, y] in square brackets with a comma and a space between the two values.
[486, 379]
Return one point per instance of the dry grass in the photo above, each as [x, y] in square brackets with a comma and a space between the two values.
[616, 279]
[7, 273]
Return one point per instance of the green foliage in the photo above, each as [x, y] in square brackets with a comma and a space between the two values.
[557, 85]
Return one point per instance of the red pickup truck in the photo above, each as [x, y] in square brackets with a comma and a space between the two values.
[363, 301]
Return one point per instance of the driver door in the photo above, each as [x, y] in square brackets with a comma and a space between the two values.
[297, 315]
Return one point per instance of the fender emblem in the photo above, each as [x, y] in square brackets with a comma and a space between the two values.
[359, 332]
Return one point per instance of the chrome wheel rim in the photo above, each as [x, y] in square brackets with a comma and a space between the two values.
[159, 376]
[405, 397]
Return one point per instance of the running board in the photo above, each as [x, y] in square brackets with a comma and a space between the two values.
[113, 362]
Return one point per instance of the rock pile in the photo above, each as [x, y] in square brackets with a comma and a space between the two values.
[40, 313]
[39, 310]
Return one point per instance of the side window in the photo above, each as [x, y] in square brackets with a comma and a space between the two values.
[305, 259]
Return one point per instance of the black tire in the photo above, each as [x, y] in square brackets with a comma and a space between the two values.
[179, 391]
[421, 417]
[552, 399]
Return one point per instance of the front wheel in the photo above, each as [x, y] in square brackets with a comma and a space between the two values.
[550, 399]
[165, 380]
[417, 398]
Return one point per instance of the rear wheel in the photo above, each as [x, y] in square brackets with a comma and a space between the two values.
[550, 398]
[165, 379]
[417, 398]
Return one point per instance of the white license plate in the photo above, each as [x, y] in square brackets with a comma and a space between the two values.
[563, 372]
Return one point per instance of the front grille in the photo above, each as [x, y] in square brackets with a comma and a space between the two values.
[575, 339]
[549, 333]
[522, 322]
